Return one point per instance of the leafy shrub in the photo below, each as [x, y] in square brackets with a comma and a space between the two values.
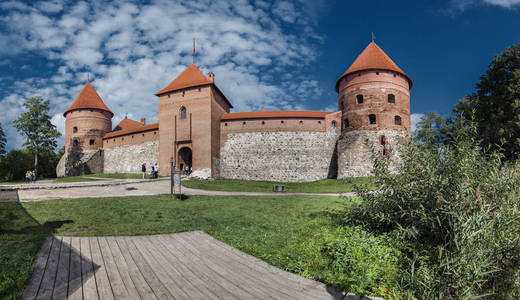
[455, 212]
[363, 263]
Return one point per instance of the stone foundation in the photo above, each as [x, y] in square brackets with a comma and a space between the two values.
[355, 153]
[130, 158]
[279, 156]
[79, 163]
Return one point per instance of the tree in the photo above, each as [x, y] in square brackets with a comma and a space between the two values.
[36, 125]
[496, 104]
[435, 130]
[2, 141]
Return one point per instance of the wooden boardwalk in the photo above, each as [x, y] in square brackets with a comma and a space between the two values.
[190, 265]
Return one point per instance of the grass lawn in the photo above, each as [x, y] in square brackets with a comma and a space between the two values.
[320, 186]
[92, 177]
[12, 182]
[288, 232]
[75, 179]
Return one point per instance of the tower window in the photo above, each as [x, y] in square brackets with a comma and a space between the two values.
[225, 124]
[372, 119]
[183, 93]
[377, 73]
[75, 143]
[263, 122]
[183, 112]
[319, 122]
[391, 98]
[359, 74]
[346, 123]
[74, 129]
[281, 121]
[91, 142]
[301, 122]
[383, 140]
[333, 123]
[359, 99]
[243, 123]
[199, 89]
[397, 120]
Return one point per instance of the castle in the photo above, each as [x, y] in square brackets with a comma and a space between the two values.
[197, 129]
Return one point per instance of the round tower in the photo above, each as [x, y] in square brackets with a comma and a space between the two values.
[374, 98]
[87, 120]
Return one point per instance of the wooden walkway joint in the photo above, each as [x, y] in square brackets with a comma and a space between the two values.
[191, 265]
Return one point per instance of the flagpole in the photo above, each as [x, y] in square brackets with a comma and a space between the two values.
[193, 55]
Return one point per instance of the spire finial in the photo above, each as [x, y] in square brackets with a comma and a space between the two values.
[88, 76]
[373, 37]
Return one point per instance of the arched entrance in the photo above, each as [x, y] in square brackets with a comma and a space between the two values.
[184, 158]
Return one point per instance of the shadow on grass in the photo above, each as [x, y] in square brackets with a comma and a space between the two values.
[29, 248]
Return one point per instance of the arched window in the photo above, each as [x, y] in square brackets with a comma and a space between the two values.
[74, 129]
[333, 123]
[183, 112]
[359, 99]
[372, 119]
[391, 98]
[397, 120]
[346, 123]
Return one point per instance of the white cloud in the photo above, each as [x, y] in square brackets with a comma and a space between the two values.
[132, 50]
[462, 5]
[414, 119]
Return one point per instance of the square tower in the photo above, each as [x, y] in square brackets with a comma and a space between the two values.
[190, 108]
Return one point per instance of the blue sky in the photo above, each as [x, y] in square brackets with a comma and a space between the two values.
[278, 55]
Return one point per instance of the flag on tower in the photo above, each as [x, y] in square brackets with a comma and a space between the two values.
[193, 46]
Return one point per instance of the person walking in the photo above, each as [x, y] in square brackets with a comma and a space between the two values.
[28, 176]
[143, 169]
[33, 176]
[156, 170]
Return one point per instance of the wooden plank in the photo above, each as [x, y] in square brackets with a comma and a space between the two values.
[38, 269]
[61, 283]
[146, 270]
[103, 284]
[179, 287]
[123, 269]
[47, 285]
[118, 286]
[141, 285]
[87, 271]
[199, 275]
[75, 289]
[232, 284]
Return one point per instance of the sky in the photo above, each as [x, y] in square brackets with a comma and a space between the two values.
[274, 55]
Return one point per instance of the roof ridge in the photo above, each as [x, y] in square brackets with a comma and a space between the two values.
[190, 77]
[88, 98]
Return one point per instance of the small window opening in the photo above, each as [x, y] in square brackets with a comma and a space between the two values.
[75, 129]
[377, 73]
[132, 136]
[397, 120]
[183, 112]
[359, 74]
[75, 142]
[225, 124]
[346, 123]
[395, 75]
[122, 139]
[168, 95]
[301, 122]
[385, 152]
[383, 140]
[243, 123]
[199, 89]
[183, 93]
[91, 142]
[281, 121]
[372, 119]
[359, 99]
[333, 124]
[319, 122]
[391, 98]
[263, 123]
[143, 134]
[155, 133]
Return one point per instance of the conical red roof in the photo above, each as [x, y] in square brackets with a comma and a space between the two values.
[373, 58]
[88, 98]
[190, 77]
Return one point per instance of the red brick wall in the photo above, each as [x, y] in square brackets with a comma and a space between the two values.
[91, 124]
[375, 86]
[131, 139]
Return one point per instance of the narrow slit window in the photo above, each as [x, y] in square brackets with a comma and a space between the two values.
[346, 123]
[372, 119]
[183, 112]
[391, 98]
[333, 123]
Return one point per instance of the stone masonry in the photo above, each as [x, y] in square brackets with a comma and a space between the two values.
[77, 163]
[354, 151]
[129, 158]
[279, 156]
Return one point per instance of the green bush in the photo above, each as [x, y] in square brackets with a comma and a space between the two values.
[363, 263]
[455, 213]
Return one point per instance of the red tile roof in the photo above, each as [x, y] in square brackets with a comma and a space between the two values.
[372, 58]
[139, 129]
[190, 77]
[88, 98]
[275, 114]
[127, 124]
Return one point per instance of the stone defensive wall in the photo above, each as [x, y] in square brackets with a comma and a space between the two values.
[126, 150]
[279, 146]
[356, 150]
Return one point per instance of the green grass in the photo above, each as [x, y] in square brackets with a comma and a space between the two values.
[117, 175]
[12, 182]
[320, 186]
[288, 232]
[75, 179]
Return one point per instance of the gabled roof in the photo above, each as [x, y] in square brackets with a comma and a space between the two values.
[88, 98]
[149, 127]
[373, 58]
[275, 114]
[127, 124]
[190, 77]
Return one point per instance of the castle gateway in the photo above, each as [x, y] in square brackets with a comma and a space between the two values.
[197, 130]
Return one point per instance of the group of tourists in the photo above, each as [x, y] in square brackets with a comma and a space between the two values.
[154, 173]
[30, 176]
